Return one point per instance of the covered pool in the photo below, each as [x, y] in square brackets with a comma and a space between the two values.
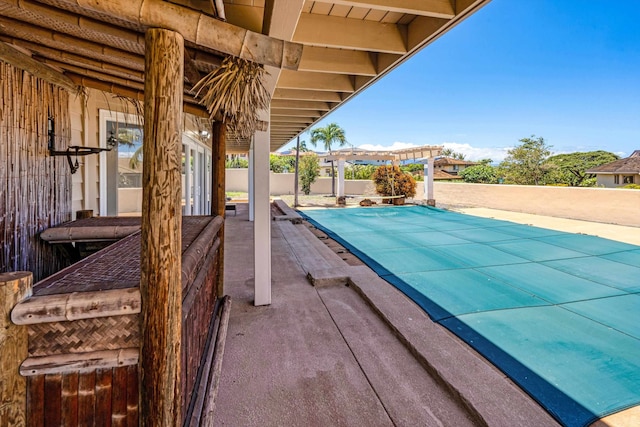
[557, 312]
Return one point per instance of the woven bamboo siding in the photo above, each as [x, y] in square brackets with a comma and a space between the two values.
[35, 190]
[100, 397]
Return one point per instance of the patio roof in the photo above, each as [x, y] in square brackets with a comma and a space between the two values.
[339, 47]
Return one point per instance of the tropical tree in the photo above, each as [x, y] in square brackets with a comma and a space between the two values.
[280, 164]
[237, 163]
[359, 171]
[329, 135]
[309, 169]
[448, 152]
[570, 169]
[526, 163]
[482, 173]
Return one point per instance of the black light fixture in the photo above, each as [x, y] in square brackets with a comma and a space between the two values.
[75, 150]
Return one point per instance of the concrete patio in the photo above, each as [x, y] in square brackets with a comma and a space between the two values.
[351, 350]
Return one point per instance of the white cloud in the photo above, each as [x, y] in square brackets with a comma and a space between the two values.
[497, 154]
[395, 146]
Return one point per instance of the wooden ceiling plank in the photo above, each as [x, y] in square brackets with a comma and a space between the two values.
[339, 61]
[307, 95]
[294, 113]
[20, 60]
[434, 8]
[293, 120]
[315, 81]
[332, 31]
[300, 105]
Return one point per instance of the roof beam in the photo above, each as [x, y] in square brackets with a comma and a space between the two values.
[300, 105]
[93, 63]
[315, 81]
[307, 95]
[287, 126]
[434, 8]
[422, 30]
[334, 31]
[190, 104]
[23, 61]
[338, 61]
[198, 28]
[293, 120]
[295, 113]
[64, 42]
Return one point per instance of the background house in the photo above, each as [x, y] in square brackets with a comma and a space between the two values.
[618, 173]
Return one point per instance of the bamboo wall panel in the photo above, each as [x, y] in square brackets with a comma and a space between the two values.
[35, 189]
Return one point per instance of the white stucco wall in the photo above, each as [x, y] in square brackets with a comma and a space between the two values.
[608, 205]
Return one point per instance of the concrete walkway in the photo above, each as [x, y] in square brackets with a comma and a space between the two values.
[349, 351]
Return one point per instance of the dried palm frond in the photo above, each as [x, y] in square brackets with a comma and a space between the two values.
[236, 93]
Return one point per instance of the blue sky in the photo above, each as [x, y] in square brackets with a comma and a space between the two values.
[568, 71]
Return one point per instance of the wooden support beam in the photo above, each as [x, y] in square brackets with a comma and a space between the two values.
[338, 61]
[300, 105]
[346, 33]
[77, 305]
[218, 195]
[69, 22]
[200, 29]
[307, 95]
[67, 43]
[315, 81]
[434, 8]
[20, 60]
[292, 127]
[295, 113]
[78, 362]
[14, 342]
[160, 257]
[191, 73]
[91, 62]
[288, 119]
[423, 30]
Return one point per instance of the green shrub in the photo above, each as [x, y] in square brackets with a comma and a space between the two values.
[308, 171]
[632, 186]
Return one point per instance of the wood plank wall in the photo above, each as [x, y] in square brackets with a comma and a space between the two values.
[35, 189]
[103, 397]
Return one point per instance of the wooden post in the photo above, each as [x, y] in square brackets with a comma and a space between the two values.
[219, 197]
[14, 288]
[160, 258]
[295, 179]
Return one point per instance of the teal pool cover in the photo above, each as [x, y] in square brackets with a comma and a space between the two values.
[559, 313]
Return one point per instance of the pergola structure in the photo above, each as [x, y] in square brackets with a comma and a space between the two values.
[318, 55]
[424, 152]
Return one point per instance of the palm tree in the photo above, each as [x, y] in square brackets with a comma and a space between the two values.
[329, 135]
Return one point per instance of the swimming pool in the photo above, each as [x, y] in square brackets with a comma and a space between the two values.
[557, 312]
